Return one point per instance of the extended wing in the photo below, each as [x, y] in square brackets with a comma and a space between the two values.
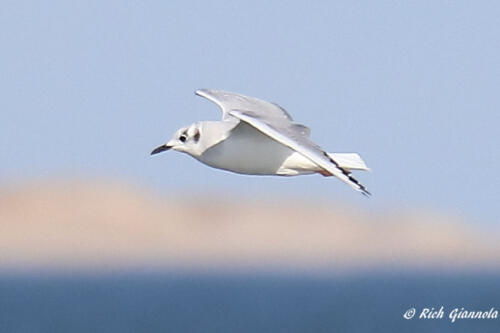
[301, 145]
[267, 111]
[228, 101]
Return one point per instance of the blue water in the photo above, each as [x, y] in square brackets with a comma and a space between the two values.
[189, 302]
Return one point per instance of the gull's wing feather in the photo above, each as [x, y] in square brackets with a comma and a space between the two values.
[284, 132]
[228, 101]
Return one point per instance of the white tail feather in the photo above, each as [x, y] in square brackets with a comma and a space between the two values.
[349, 161]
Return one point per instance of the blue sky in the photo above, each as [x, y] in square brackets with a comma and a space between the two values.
[88, 88]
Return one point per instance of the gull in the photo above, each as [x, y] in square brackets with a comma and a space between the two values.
[256, 137]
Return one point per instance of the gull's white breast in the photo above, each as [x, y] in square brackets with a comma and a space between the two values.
[248, 151]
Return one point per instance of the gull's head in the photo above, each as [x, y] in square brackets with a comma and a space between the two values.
[185, 140]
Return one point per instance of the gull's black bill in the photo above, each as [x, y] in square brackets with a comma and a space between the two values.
[160, 149]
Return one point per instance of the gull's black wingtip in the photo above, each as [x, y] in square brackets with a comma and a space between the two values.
[364, 191]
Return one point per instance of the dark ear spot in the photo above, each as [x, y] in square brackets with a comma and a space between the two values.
[183, 136]
[196, 137]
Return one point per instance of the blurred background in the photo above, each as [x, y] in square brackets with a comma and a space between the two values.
[96, 235]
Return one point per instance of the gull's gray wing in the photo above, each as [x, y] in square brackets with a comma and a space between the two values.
[228, 101]
[266, 111]
[285, 133]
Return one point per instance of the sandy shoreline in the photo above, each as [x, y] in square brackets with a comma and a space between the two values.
[112, 225]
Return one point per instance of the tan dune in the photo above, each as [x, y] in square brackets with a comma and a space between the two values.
[91, 225]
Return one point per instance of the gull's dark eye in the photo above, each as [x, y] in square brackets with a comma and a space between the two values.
[182, 138]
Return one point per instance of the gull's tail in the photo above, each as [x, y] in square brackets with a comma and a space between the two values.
[349, 161]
